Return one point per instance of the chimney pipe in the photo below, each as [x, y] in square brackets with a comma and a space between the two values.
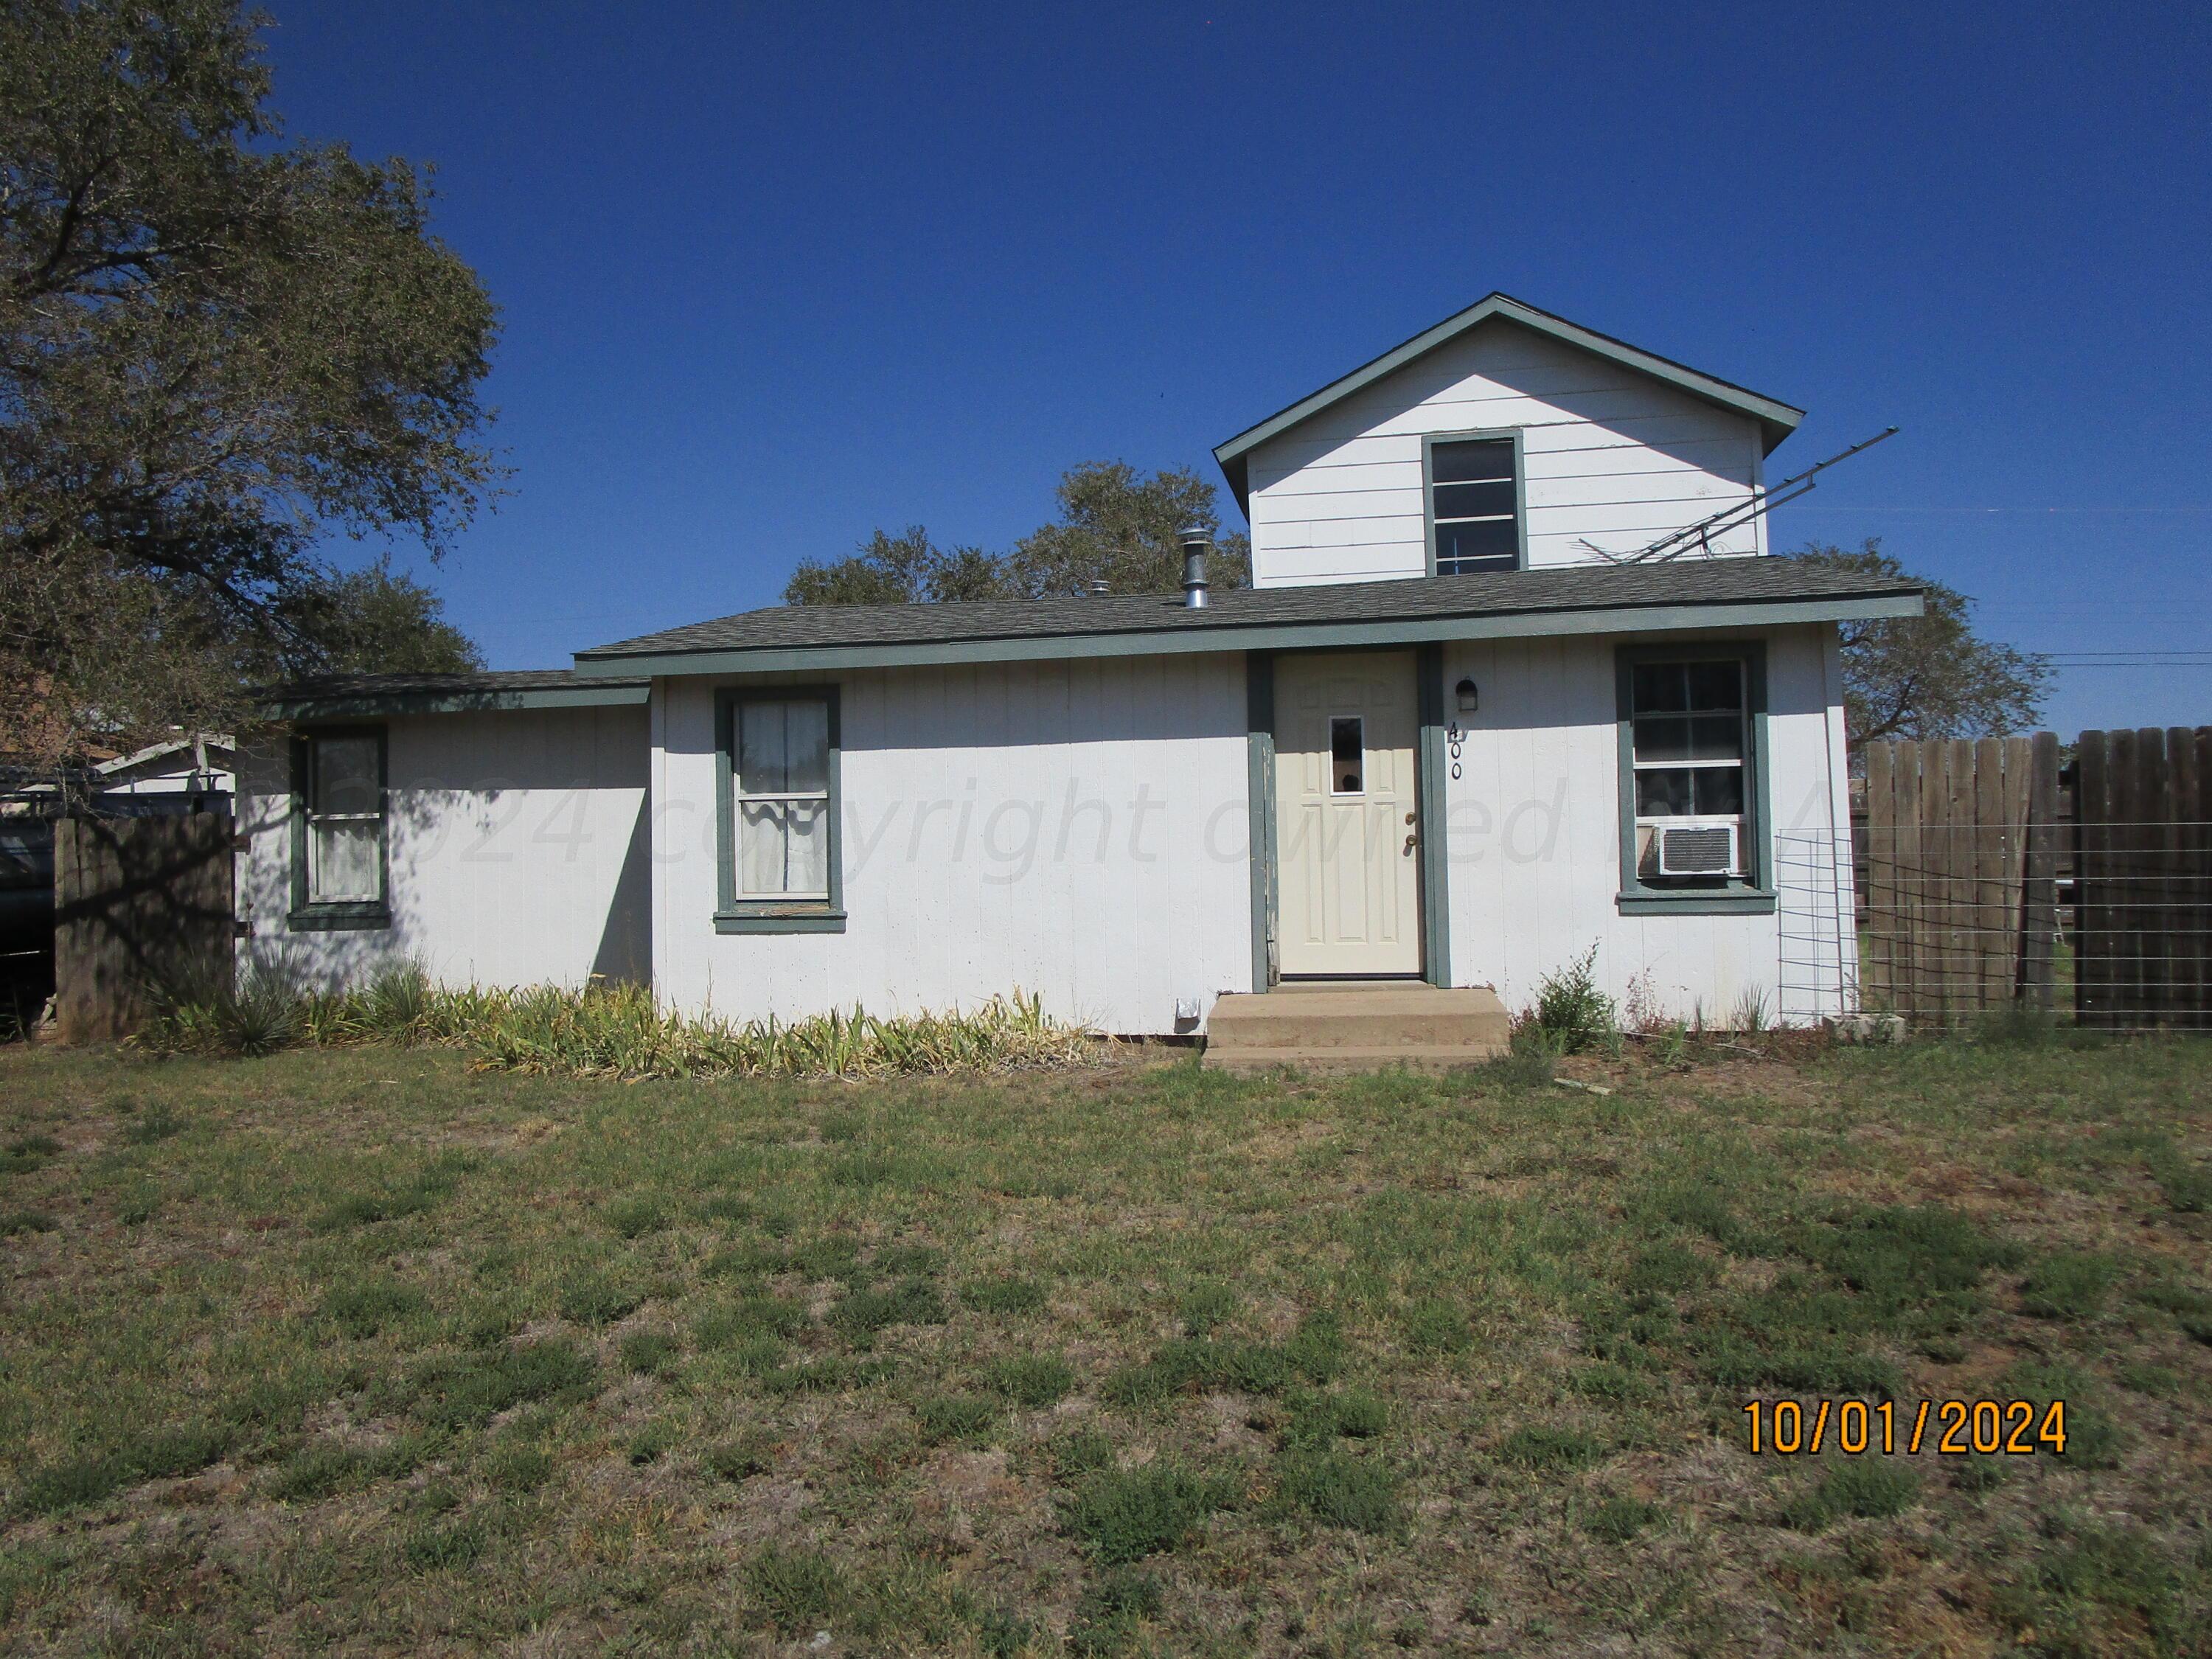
[1197, 542]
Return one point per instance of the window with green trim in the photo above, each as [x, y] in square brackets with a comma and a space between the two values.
[1475, 505]
[778, 805]
[340, 857]
[1691, 759]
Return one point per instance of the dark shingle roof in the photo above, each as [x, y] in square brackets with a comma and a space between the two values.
[1500, 594]
[486, 682]
[336, 696]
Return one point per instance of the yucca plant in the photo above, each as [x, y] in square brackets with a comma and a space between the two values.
[252, 1013]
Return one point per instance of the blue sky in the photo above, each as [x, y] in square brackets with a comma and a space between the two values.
[772, 277]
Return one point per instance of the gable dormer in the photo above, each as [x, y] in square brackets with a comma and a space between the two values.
[1503, 438]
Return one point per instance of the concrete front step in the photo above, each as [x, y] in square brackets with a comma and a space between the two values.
[1356, 1025]
[1414, 1057]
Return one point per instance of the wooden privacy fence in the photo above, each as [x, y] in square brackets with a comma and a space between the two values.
[1995, 875]
[2143, 878]
[1948, 828]
[139, 904]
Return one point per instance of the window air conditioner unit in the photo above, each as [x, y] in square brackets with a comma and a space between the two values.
[1707, 846]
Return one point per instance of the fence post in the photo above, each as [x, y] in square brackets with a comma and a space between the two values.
[2098, 982]
[1961, 962]
[2199, 812]
[2039, 900]
[2152, 968]
[1992, 939]
[1880, 970]
[2184, 986]
[1916, 942]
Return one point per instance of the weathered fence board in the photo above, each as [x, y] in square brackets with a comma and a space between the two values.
[1970, 848]
[139, 904]
[2143, 858]
[1948, 896]
[2039, 903]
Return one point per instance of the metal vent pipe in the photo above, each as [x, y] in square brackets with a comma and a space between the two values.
[1197, 542]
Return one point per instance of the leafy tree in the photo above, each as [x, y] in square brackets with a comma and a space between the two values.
[903, 569]
[1930, 676]
[216, 347]
[375, 622]
[1115, 526]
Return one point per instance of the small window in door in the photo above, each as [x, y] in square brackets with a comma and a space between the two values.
[1347, 755]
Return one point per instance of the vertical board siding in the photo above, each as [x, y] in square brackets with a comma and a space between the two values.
[1607, 455]
[516, 850]
[1533, 858]
[1076, 829]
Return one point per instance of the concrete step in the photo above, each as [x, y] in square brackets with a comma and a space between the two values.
[1365, 1023]
[1417, 1058]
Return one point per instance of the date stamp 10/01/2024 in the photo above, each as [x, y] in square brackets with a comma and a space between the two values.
[1952, 1428]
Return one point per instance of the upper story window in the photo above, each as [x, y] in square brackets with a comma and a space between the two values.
[1474, 504]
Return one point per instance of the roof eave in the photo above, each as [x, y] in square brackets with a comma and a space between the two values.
[600, 693]
[1651, 618]
[1777, 419]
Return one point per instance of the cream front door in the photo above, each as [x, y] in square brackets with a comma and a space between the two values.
[1348, 875]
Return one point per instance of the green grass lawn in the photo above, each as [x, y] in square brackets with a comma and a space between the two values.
[355, 1349]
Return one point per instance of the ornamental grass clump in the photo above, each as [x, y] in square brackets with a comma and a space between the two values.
[617, 1031]
[602, 1030]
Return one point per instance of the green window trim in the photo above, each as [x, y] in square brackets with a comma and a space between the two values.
[1751, 893]
[1429, 771]
[344, 916]
[1260, 808]
[1429, 442]
[735, 913]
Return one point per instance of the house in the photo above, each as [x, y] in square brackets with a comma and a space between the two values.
[1452, 733]
[192, 772]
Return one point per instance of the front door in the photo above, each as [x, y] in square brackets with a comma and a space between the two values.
[1348, 874]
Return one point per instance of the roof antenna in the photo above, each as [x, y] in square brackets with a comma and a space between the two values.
[1700, 535]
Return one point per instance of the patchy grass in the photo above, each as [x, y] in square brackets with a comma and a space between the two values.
[1124, 1514]
[1866, 1487]
[357, 1348]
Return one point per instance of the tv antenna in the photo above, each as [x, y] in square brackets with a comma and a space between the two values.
[1698, 536]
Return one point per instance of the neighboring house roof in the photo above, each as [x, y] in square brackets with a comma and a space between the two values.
[213, 740]
[1777, 419]
[336, 696]
[1573, 599]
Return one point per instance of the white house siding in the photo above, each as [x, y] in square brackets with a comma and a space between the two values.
[1534, 837]
[516, 846]
[1609, 456]
[1076, 829]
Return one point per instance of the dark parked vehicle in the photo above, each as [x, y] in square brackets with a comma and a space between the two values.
[27, 920]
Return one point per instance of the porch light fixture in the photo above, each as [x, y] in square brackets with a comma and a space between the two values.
[1468, 697]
